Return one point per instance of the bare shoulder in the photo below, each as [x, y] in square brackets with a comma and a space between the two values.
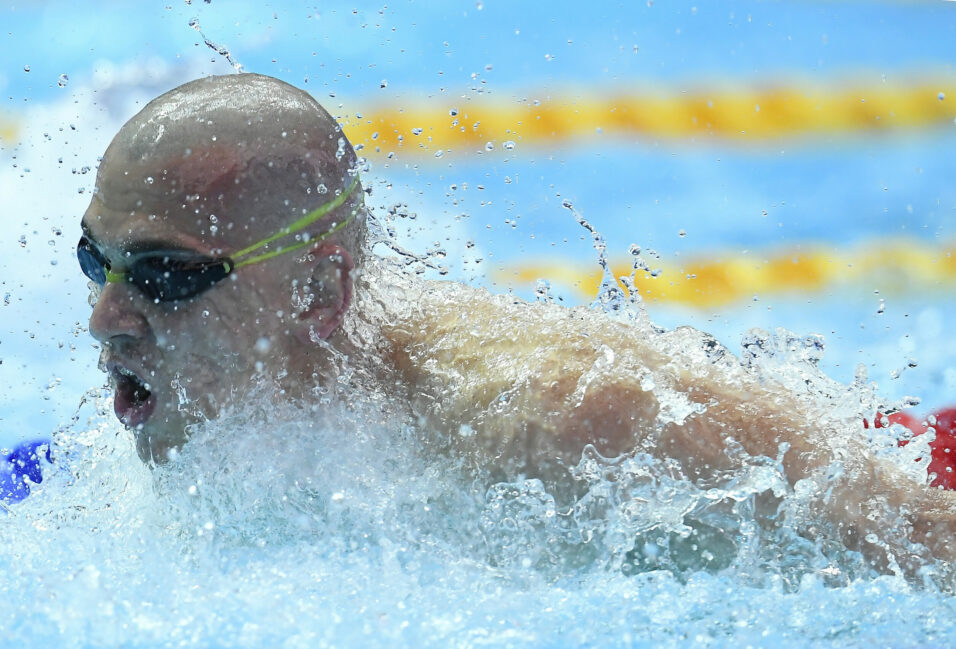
[536, 382]
[554, 376]
[466, 333]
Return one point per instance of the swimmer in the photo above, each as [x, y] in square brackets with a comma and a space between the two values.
[226, 241]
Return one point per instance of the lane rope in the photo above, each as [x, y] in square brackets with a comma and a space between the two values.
[744, 114]
[890, 266]
[741, 113]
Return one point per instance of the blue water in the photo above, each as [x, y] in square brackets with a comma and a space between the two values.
[360, 540]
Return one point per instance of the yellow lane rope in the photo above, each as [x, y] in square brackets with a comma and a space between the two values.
[747, 113]
[890, 266]
[8, 130]
[736, 113]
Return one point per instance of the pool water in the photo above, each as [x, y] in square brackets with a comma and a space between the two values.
[336, 526]
[330, 524]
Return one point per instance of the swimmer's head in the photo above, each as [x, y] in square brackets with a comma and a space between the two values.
[225, 224]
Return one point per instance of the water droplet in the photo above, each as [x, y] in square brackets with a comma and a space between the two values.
[322, 189]
[566, 203]
[63, 80]
[26, 68]
[509, 144]
[453, 112]
[23, 241]
[439, 153]
[383, 83]
[682, 233]
[416, 131]
[263, 345]
[489, 146]
[479, 6]
[149, 180]
[941, 96]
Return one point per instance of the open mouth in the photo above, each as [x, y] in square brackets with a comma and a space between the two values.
[134, 402]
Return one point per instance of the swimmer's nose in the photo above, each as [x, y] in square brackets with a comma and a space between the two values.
[116, 315]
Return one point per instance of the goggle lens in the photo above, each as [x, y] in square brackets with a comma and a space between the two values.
[92, 263]
[158, 277]
[166, 279]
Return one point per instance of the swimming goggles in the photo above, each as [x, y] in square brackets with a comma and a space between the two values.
[171, 276]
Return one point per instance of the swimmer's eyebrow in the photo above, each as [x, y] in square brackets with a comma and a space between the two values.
[144, 246]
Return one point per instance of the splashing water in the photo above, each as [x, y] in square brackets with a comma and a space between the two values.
[336, 522]
[221, 50]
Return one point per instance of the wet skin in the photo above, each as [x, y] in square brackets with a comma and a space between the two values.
[206, 188]
[535, 382]
[193, 353]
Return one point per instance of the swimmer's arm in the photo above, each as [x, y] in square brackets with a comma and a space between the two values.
[539, 383]
[534, 379]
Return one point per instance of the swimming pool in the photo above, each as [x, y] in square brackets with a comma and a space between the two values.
[332, 540]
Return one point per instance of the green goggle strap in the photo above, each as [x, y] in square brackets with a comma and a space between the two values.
[302, 223]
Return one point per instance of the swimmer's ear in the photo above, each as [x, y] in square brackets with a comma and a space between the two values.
[327, 292]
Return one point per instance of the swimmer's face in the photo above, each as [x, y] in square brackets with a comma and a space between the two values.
[174, 362]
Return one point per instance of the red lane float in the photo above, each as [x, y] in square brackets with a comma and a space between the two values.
[942, 449]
